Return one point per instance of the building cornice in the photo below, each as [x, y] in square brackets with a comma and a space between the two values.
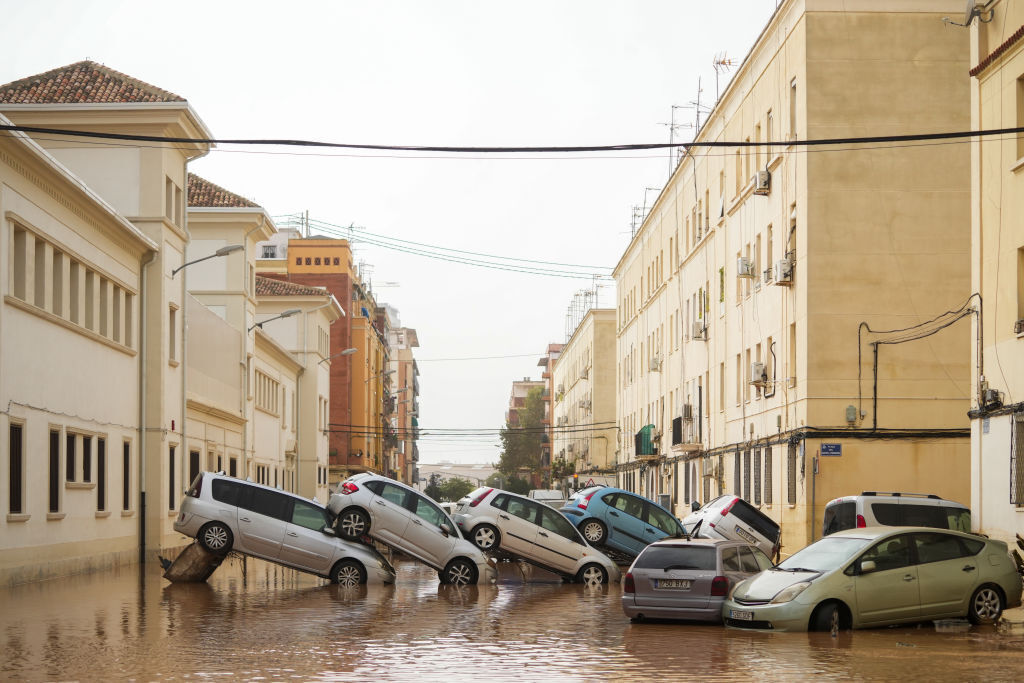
[998, 52]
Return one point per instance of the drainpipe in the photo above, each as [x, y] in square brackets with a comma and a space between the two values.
[186, 456]
[244, 399]
[143, 388]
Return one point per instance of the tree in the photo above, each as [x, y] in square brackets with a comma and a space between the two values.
[455, 488]
[433, 487]
[517, 485]
[521, 444]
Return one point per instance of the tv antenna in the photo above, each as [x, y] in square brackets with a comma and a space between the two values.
[674, 153]
[722, 65]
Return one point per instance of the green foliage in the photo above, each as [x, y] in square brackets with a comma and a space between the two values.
[433, 487]
[517, 485]
[521, 445]
[455, 488]
[561, 469]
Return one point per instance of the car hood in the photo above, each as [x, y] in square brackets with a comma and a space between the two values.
[769, 583]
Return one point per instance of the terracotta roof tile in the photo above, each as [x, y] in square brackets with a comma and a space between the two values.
[82, 83]
[266, 286]
[203, 193]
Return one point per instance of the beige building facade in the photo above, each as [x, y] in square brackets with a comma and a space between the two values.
[584, 433]
[780, 329]
[997, 261]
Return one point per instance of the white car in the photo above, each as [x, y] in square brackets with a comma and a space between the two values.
[224, 514]
[403, 518]
[494, 519]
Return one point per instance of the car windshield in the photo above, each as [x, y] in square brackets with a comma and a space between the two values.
[824, 555]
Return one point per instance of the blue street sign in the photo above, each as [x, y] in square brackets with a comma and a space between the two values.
[832, 450]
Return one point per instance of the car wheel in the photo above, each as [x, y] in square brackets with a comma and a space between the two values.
[486, 537]
[593, 530]
[827, 617]
[459, 572]
[986, 606]
[352, 524]
[216, 537]
[348, 573]
[592, 575]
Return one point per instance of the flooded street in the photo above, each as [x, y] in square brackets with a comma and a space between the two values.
[271, 623]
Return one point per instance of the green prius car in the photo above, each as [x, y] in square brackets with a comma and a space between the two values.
[878, 576]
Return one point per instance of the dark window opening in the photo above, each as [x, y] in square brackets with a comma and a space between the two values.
[101, 474]
[17, 467]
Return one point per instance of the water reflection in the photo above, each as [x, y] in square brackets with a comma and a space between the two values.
[257, 620]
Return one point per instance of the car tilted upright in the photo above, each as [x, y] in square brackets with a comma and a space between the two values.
[224, 514]
[400, 517]
[494, 519]
[620, 519]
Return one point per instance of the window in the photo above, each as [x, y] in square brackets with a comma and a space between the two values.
[792, 109]
[792, 354]
[892, 553]
[101, 474]
[16, 470]
[268, 393]
[193, 465]
[938, 548]
[1020, 116]
[21, 242]
[54, 493]
[269, 251]
[737, 475]
[791, 473]
[553, 521]
[757, 476]
[746, 475]
[393, 494]
[337, 261]
[731, 560]
[87, 459]
[126, 471]
[522, 509]
[226, 491]
[309, 516]
[69, 457]
[660, 519]
[267, 503]
[172, 332]
[170, 478]
[1016, 469]
[768, 475]
[233, 467]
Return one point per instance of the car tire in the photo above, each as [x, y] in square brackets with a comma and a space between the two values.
[459, 572]
[216, 537]
[353, 524]
[594, 531]
[986, 606]
[592, 575]
[348, 573]
[828, 617]
[486, 537]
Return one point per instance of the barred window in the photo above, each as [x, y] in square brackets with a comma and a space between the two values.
[707, 480]
[792, 473]
[1016, 470]
[746, 475]
[737, 483]
[768, 475]
[268, 393]
[757, 477]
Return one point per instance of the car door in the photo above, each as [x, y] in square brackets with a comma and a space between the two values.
[625, 522]
[947, 572]
[518, 526]
[424, 536]
[391, 515]
[891, 592]
[305, 545]
[558, 544]
[659, 523]
[262, 518]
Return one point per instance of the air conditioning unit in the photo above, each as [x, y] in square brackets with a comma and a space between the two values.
[700, 331]
[585, 373]
[762, 183]
[1018, 327]
[655, 364]
[784, 272]
[570, 448]
[745, 267]
[757, 374]
[688, 412]
[585, 404]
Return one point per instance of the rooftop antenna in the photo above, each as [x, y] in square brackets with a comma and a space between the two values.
[722, 65]
[674, 154]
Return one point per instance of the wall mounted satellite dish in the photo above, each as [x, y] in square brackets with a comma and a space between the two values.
[974, 9]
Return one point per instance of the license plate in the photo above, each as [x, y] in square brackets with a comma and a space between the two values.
[681, 584]
[742, 533]
[742, 615]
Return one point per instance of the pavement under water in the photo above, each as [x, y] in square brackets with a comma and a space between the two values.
[255, 620]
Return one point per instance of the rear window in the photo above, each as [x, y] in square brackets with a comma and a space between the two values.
[225, 491]
[678, 557]
[886, 513]
[838, 517]
[753, 517]
[958, 519]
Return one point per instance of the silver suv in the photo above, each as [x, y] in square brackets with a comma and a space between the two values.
[875, 508]
[224, 513]
[537, 533]
[405, 519]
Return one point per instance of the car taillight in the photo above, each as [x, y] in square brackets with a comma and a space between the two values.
[628, 585]
[719, 586]
[860, 522]
[728, 507]
[585, 500]
[348, 487]
[198, 487]
[476, 501]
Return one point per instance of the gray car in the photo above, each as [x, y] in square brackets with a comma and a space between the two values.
[687, 579]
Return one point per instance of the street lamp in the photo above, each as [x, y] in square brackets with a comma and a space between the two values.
[346, 352]
[287, 314]
[379, 374]
[223, 251]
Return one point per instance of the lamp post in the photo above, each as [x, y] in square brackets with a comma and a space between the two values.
[287, 314]
[223, 251]
[346, 352]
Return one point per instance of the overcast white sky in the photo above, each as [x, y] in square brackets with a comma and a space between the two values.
[418, 72]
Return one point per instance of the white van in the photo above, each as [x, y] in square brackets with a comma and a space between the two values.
[875, 508]
[550, 497]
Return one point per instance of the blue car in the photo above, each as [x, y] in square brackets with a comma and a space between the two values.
[620, 519]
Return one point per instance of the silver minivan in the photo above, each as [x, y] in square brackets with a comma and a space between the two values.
[875, 508]
[224, 514]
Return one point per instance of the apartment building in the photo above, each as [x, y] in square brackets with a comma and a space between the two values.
[997, 268]
[547, 363]
[781, 318]
[405, 408]
[584, 433]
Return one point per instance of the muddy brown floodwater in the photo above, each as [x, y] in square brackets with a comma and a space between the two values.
[265, 622]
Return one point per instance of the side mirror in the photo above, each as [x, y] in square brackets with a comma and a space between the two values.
[445, 529]
[328, 531]
[867, 566]
[694, 506]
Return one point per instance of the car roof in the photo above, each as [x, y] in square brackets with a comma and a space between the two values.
[695, 542]
[221, 475]
[873, 532]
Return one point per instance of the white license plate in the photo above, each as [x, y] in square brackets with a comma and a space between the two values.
[680, 584]
[749, 538]
[742, 615]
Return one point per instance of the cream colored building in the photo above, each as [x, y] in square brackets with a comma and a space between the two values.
[584, 433]
[751, 298]
[997, 261]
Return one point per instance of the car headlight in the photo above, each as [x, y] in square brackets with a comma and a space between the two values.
[735, 587]
[790, 593]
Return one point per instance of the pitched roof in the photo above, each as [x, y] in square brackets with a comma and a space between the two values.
[203, 193]
[266, 286]
[83, 83]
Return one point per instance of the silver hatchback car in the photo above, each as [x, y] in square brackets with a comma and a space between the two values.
[535, 532]
[405, 519]
[687, 579]
[224, 514]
